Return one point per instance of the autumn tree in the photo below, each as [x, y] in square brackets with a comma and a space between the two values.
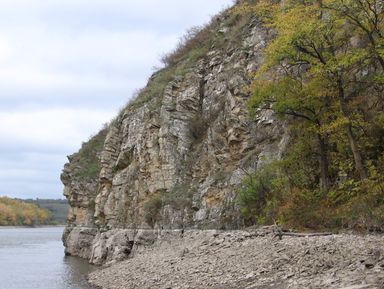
[16, 212]
[367, 17]
[314, 49]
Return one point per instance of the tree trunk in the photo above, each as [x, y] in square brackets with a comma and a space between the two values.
[376, 53]
[356, 153]
[324, 165]
[351, 137]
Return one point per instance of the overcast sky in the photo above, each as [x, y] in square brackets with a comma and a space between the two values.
[67, 67]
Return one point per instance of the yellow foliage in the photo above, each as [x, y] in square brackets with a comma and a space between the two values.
[16, 212]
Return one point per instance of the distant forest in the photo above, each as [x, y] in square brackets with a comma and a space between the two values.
[57, 208]
[16, 212]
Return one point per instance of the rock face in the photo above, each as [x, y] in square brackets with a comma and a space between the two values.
[174, 157]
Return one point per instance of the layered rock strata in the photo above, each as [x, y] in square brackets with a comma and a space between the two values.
[175, 156]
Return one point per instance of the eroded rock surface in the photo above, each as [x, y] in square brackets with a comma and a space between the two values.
[175, 156]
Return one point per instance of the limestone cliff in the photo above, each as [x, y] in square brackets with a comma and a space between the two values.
[175, 155]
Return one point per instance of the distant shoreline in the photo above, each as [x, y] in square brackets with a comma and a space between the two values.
[31, 227]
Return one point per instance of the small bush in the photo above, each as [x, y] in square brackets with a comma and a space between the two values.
[198, 127]
[152, 209]
[195, 38]
[154, 89]
[179, 198]
[366, 209]
[305, 210]
[87, 159]
[257, 196]
[268, 195]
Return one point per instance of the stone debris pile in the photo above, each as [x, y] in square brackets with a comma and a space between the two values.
[251, 260]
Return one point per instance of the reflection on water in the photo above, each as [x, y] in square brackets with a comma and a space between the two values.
[34, 259]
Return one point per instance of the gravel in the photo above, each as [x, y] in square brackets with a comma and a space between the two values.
[251, 260]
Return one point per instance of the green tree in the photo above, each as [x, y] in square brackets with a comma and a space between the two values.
[323, 72]
[318, 55]
[367, 16]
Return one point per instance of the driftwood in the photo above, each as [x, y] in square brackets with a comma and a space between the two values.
[304, 234]
[278, 232]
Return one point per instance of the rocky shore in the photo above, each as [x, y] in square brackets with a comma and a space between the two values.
[254, 259]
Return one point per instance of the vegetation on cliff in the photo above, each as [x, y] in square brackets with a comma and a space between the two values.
[87, 158]
[18, 213]
[323, 73]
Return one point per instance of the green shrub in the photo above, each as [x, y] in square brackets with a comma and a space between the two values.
[268, 196]
[194, 39]
[152, 209]
[257, 196]
[87, 159]
[179, 198]
[366, 209]
[155, 87]
[198, 127]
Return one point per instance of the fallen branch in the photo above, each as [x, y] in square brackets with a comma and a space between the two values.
[279, 233]
[305, 234]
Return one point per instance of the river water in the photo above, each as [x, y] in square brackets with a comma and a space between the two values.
[33, 258]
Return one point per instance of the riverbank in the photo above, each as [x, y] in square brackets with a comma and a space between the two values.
[33, 227]
[249, 259]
